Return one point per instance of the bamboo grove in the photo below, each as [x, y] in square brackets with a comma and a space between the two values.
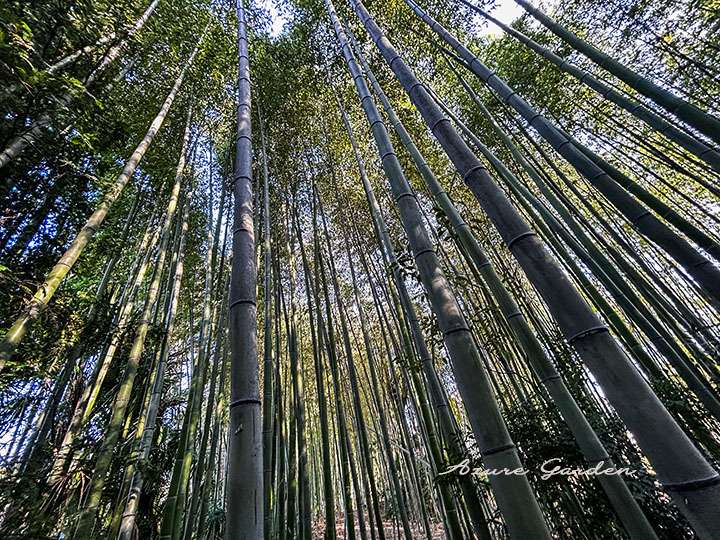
[353, 269]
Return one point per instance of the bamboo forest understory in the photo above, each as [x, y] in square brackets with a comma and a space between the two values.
[359, 269]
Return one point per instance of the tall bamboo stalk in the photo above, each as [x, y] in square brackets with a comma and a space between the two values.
[602, 268]
[267, 340]
[245, 469]
[620, 496]
[86, 519]
[129, 515]
[439, 399]
[316, 339]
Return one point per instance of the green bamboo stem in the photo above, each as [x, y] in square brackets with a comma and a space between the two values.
[46, 291]
[687, 112]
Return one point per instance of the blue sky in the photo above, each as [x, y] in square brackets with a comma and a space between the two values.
[506, 11]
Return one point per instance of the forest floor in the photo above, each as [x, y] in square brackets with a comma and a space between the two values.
[392, 530]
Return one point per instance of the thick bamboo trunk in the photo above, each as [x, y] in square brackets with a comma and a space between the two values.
[625, 297]
[244, 477]
[618, 493]
[452, 524]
